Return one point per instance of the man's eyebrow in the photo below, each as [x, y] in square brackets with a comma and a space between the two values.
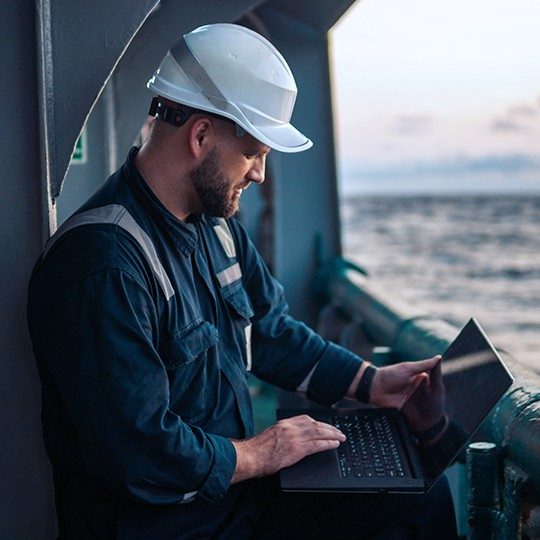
[258, 150]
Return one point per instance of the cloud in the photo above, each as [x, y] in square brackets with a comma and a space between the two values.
[411, 124]
[521, 117]
[512, 173]
[524, 111]
[503, 124]
[503, 164]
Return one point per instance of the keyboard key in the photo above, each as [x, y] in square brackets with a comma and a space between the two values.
[370, 449]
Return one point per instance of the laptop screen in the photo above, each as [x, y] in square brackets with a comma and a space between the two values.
[474, 379]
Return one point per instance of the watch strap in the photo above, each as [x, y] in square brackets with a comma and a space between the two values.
[364, 384]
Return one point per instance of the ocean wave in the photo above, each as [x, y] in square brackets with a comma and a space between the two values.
[505, 273]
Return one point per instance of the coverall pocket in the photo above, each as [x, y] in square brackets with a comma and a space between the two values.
[240, 306]
[188, 344]
[185, 357]
[238, 300]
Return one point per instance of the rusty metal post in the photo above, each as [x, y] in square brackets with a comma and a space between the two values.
[511, 518]
[482, 473]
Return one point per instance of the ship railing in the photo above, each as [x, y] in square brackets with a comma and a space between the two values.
[500, 484]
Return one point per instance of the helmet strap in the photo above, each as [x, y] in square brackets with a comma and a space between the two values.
[178, 117]
[175, 117]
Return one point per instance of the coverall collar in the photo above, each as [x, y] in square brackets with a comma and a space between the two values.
[183, 234]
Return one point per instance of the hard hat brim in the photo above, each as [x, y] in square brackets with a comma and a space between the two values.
[283, 137]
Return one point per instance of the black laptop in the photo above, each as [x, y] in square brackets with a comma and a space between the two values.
[380, 454]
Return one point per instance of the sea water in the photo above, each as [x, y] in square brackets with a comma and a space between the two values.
[455, 257]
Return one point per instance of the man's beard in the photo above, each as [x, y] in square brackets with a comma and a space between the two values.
[213, 187]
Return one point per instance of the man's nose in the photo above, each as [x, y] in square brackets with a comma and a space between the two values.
[256, 173]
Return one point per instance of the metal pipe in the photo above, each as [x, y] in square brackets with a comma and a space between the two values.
[412, 335]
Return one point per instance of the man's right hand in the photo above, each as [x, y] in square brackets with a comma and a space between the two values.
[282, 445]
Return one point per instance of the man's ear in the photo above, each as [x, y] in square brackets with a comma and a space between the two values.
[200, 137]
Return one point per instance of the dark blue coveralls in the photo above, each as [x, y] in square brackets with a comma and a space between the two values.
[143, 327]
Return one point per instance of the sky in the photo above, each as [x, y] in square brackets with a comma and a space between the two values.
[434, 96]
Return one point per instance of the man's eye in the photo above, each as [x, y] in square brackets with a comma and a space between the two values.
[250, 156]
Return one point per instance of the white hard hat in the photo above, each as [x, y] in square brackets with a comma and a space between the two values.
[231, 71]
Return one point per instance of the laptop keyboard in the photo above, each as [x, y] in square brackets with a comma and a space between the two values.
[370, 449]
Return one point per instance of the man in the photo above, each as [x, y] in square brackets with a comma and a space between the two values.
[150, 304]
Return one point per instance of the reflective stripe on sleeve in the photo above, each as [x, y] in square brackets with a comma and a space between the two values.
[116, 214]
[247, 331]
[188, 497]
[303, 386]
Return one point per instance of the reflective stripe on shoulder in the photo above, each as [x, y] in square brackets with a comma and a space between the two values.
[116, 214]
[225, 237]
